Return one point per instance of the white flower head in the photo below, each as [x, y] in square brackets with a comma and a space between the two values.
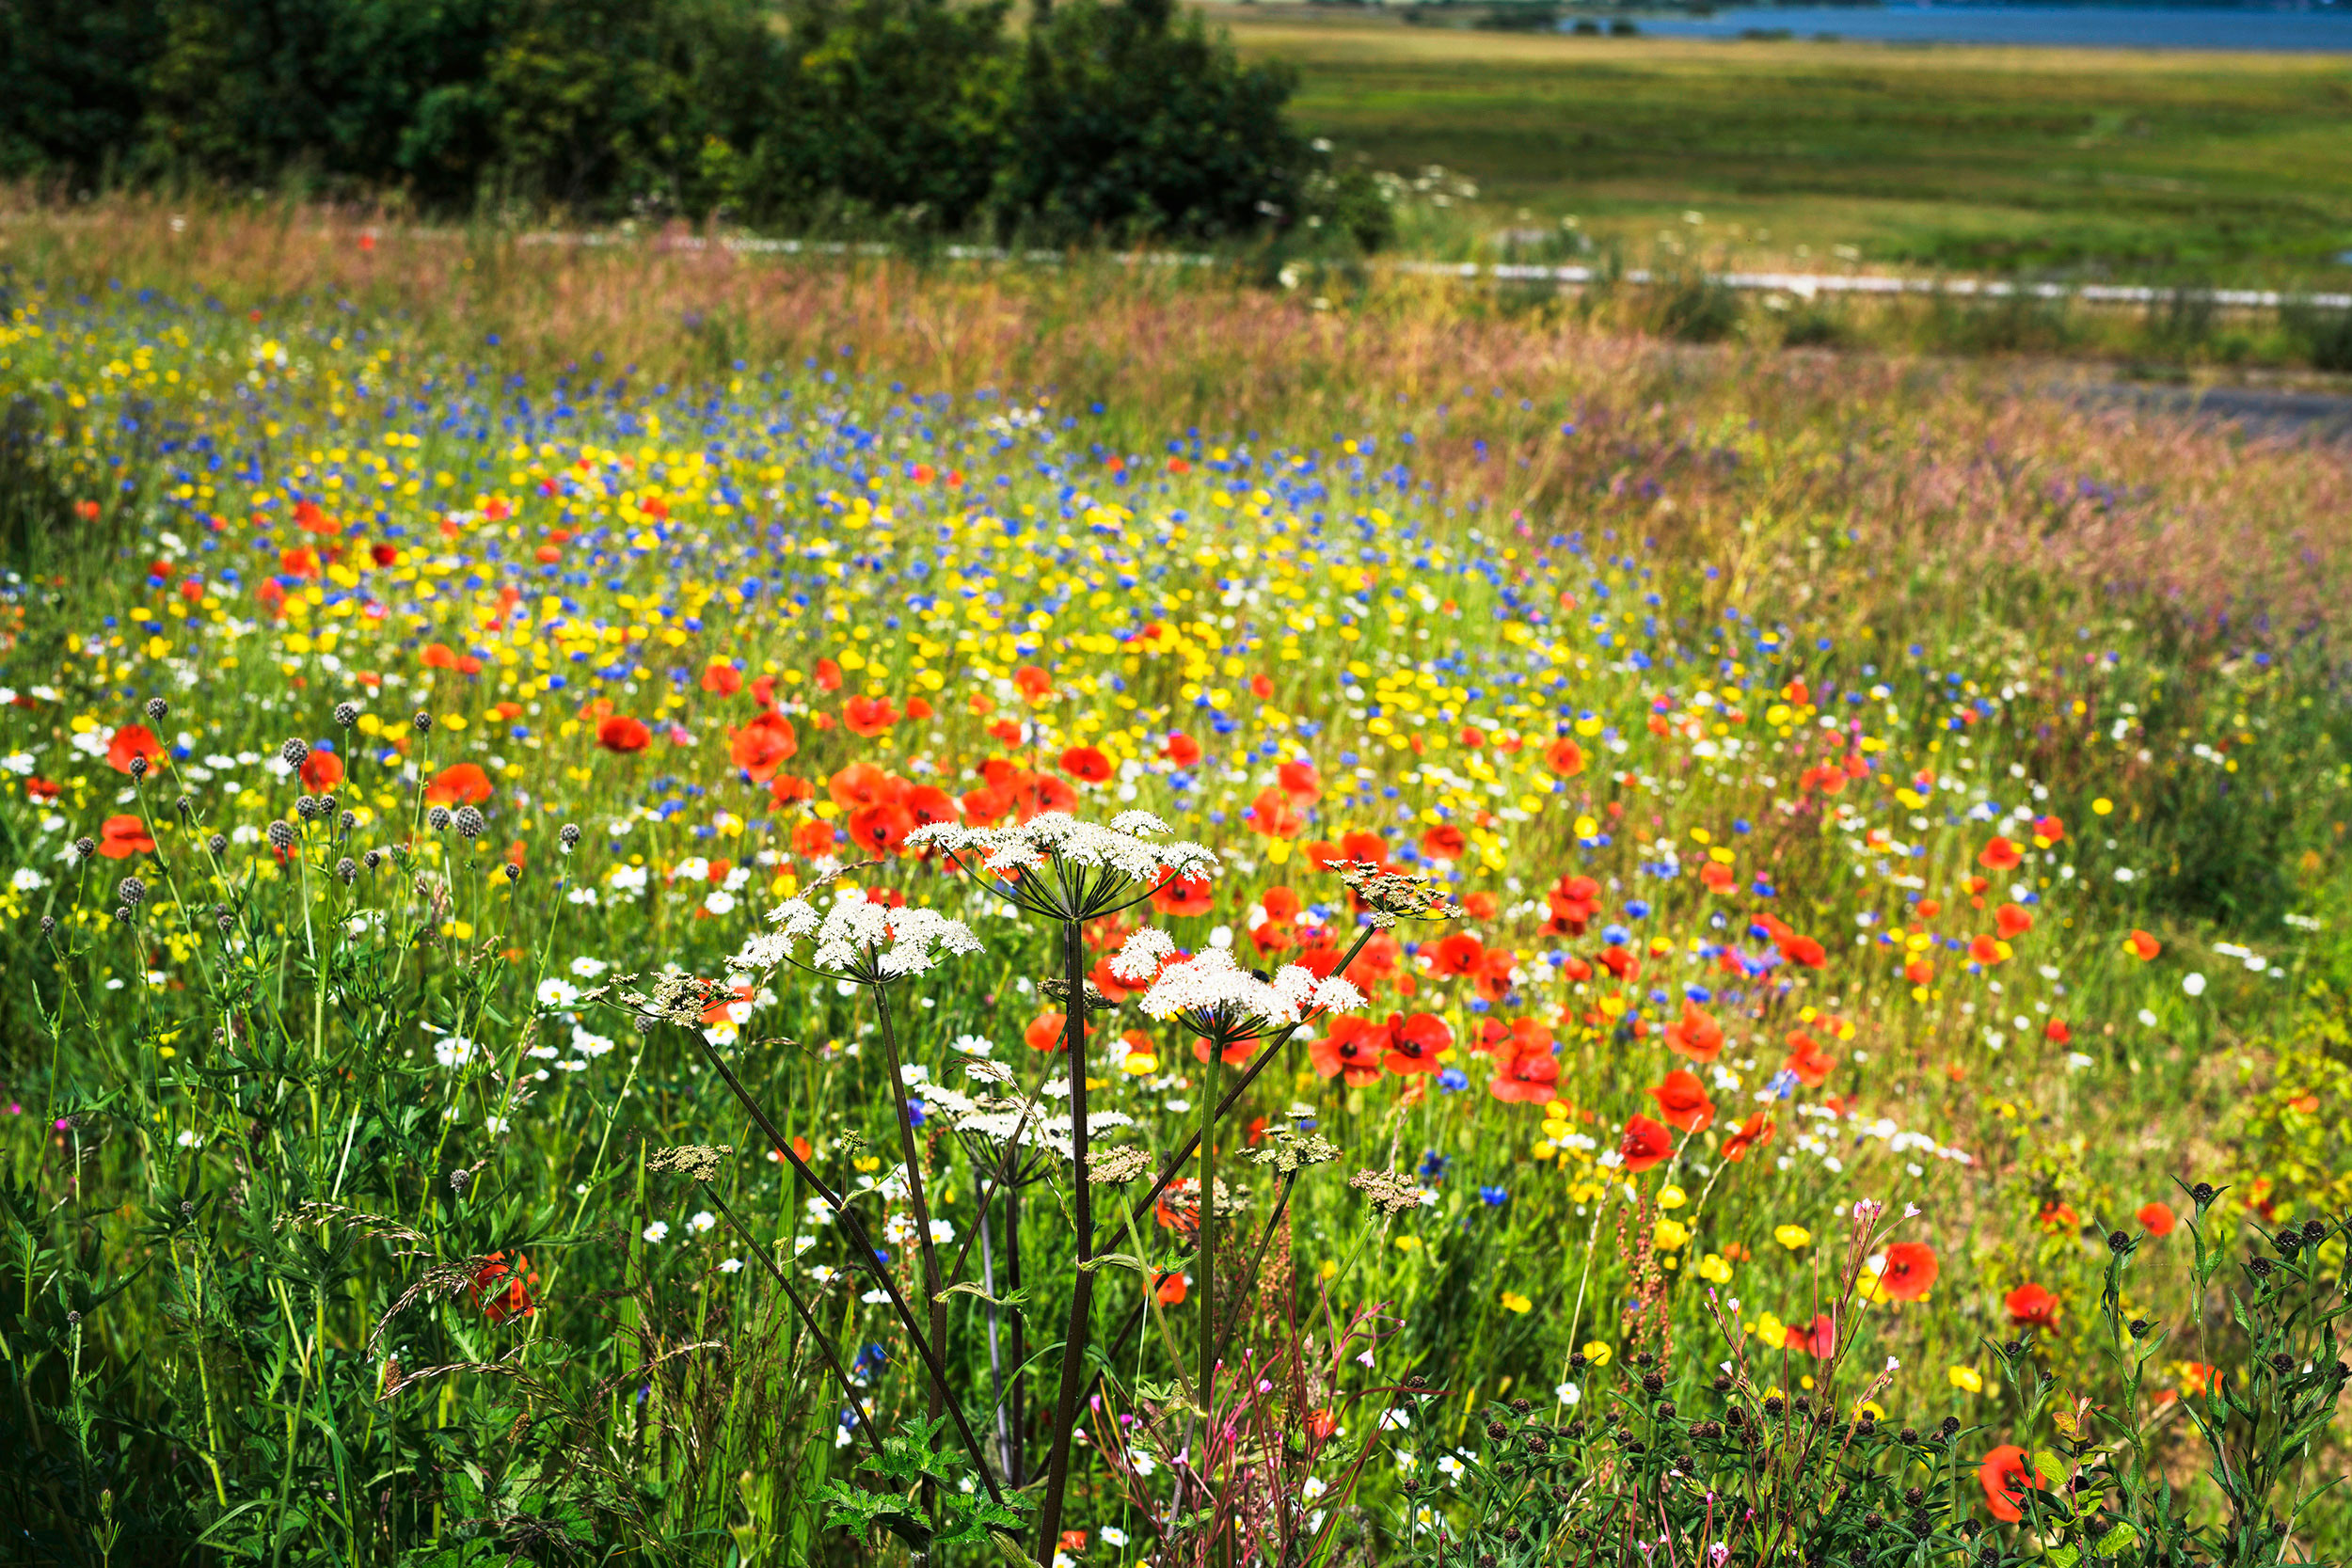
[1094, 863]
[859, 938]
[1212, 987]
[1140, 956]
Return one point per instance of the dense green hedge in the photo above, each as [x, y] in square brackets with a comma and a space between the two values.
[1108, 117]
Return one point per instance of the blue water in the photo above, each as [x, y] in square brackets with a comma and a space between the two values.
[2325, 29]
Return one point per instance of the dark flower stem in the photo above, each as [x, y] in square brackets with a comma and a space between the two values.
[1073, 1347]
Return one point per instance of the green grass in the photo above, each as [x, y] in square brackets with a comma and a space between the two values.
[2220, 167]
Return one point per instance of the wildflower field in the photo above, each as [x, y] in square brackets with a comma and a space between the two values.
[664, 908]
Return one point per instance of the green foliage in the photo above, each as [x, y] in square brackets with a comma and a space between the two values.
[73, 82]
[1106, 120]
[1132, 122]
[917, 1471]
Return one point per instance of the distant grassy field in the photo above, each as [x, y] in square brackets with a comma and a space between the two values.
[2176, 166]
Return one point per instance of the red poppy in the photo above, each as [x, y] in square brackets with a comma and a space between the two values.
[1644, 1144]
[1353, 1046]
[1276, 814]
[1622, 965]
[869, 716]
[1046, 1032]
[1480, 906]
[1573, 902]
[1755, 1133]
[1531, 1078]
[2000, 855]
[623, 734]
[1911, 1268]
[1087, 764]
[2005, 1475]
[502, 1289]
[861, 785]
[1171, 1288]
[1414, 1042]
[1184, 896]
[1037, 792]
[2032, 1307]
[1279, 903]
[123, 836]
[2156, 1219]
[790, 789]
[1693, 1034]
[2049, 830]
[1805, 951]
[1809, 1061]
[880, 828]
[1444, 841]
[811, 839]
[1181, 749]
[1300, 782]
[1367, 847]
[928, 804]
[322, 771]
[721, 677]
[2059, 1218]
[2056, 1033]
[2142, 946]
[439, 656]
[1034, 683]
[461, 783]
[1262, 686]
[1987, 950]
[1682, 1102]
[133, 740]
[1818, 1339]
[828, 675]
[2012, 921]
[763, 746]
[1565, 757]
[1459, 953]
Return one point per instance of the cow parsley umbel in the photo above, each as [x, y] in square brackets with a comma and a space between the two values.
[1058, 868]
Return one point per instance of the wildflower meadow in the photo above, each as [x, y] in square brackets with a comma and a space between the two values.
[1196, 929]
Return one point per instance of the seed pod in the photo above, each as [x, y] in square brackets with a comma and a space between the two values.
[438, 818]
[157, 709]
[470, 823]
[131, 890]
[346, 714]
[282, 835]
[138, 767]
[294, 752]
[423, 722]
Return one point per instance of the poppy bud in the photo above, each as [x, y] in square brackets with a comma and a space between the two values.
[2118, 1241]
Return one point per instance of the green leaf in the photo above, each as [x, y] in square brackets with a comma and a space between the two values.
[2050, 1467]
[2115, 1541]
[2063, 1557]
